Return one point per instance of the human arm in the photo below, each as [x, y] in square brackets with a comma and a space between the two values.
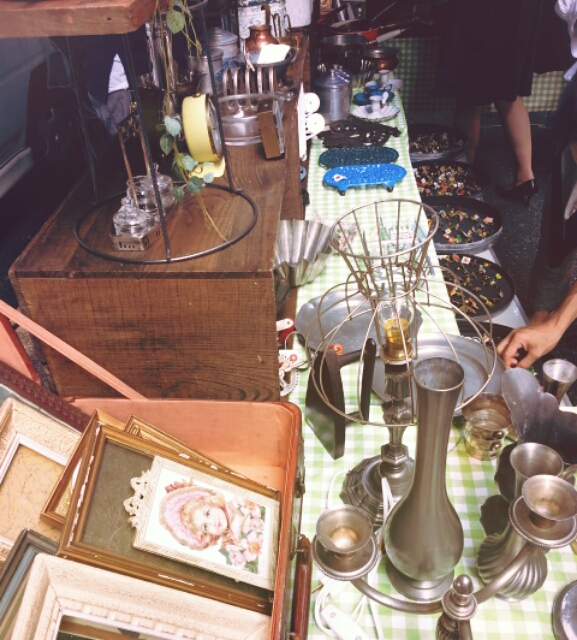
[537, 340]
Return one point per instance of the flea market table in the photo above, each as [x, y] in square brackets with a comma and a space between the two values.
[469, 481]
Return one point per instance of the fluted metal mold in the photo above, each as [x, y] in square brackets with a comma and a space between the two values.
[423, 534]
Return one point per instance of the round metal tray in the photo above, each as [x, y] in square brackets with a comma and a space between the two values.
[470, 206]
[481, 177]
[493, 270]
[565, 613]
[476, 360]
[319, 316]
[436, 130]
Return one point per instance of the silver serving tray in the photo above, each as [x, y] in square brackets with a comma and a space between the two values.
[476, 360]
[319, 316]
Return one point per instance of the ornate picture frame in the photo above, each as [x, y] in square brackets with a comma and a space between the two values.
[97, 530]
[33, 451]
[63, 595]
[185, 513]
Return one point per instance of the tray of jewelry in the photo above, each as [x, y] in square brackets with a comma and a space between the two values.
[451, 178]
[429, 141]
[485, 279]
[466, 225]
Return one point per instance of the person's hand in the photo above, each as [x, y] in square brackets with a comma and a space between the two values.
[536, 340]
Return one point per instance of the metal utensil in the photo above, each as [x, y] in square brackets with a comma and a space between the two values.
[558, 376]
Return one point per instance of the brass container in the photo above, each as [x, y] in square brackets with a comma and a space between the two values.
[487, 424]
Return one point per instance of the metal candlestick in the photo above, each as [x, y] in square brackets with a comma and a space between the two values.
[545, 515]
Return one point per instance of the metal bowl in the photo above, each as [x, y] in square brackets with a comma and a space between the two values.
[280, 67]
[437, 130]
[480, 176]
[469, 206]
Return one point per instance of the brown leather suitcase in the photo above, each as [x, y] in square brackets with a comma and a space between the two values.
[260, 440]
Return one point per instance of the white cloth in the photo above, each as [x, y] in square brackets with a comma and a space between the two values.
[117, 79]
[567, 10]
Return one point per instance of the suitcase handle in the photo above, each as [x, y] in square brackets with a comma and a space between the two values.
[302, 591]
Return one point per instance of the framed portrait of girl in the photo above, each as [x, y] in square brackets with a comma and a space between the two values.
[191, 516]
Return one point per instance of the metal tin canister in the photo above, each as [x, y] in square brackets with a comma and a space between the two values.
[334, 90]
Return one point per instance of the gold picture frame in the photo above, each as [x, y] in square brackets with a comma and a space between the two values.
[56, 508]
[97, 530]
[63, 595]
[34, 449]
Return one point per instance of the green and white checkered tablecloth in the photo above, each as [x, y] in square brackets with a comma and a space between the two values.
[418, 60]
[469, 481]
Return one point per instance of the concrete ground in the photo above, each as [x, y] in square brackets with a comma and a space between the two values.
[28, 205]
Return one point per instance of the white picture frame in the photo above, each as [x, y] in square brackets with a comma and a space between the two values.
[33, 451]
[172, 502]
[60, 589]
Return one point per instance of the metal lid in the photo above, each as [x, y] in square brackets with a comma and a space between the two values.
[332, 79]
[380, 53]
[218, 36]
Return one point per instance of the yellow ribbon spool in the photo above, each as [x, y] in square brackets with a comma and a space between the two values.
[199, 124]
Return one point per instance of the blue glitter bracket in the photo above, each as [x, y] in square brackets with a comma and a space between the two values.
[370, 175]
[348, 157]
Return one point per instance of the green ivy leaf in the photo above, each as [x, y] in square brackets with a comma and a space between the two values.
[166, 142]
[208, 178]
[188, 162]
[160, 127]
[173, 125]
[175, 21]
[178, 193]
[194, 185]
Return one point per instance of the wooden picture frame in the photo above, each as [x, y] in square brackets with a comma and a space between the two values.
[61, 593]
[56, 508]
[33, 451]
[15, 573]
[97, 530]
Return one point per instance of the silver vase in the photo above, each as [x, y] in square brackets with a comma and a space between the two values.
[423, 534]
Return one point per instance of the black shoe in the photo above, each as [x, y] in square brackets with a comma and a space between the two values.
[521, 193]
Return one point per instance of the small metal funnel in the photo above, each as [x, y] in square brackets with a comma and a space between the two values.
[558, 376]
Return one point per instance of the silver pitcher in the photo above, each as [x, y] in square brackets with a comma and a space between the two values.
[423, 534]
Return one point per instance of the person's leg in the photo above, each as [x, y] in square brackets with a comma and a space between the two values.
[467, 118]
[515, 120]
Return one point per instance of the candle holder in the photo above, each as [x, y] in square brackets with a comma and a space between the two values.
[544, 514]
[344, 547]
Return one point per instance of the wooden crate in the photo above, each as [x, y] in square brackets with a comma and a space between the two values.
[201, 329]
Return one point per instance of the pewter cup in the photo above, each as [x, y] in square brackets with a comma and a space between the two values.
[531, 459]
[558, 376]
[423, 534]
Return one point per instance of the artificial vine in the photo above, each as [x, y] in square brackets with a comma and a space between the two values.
[179, 20]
